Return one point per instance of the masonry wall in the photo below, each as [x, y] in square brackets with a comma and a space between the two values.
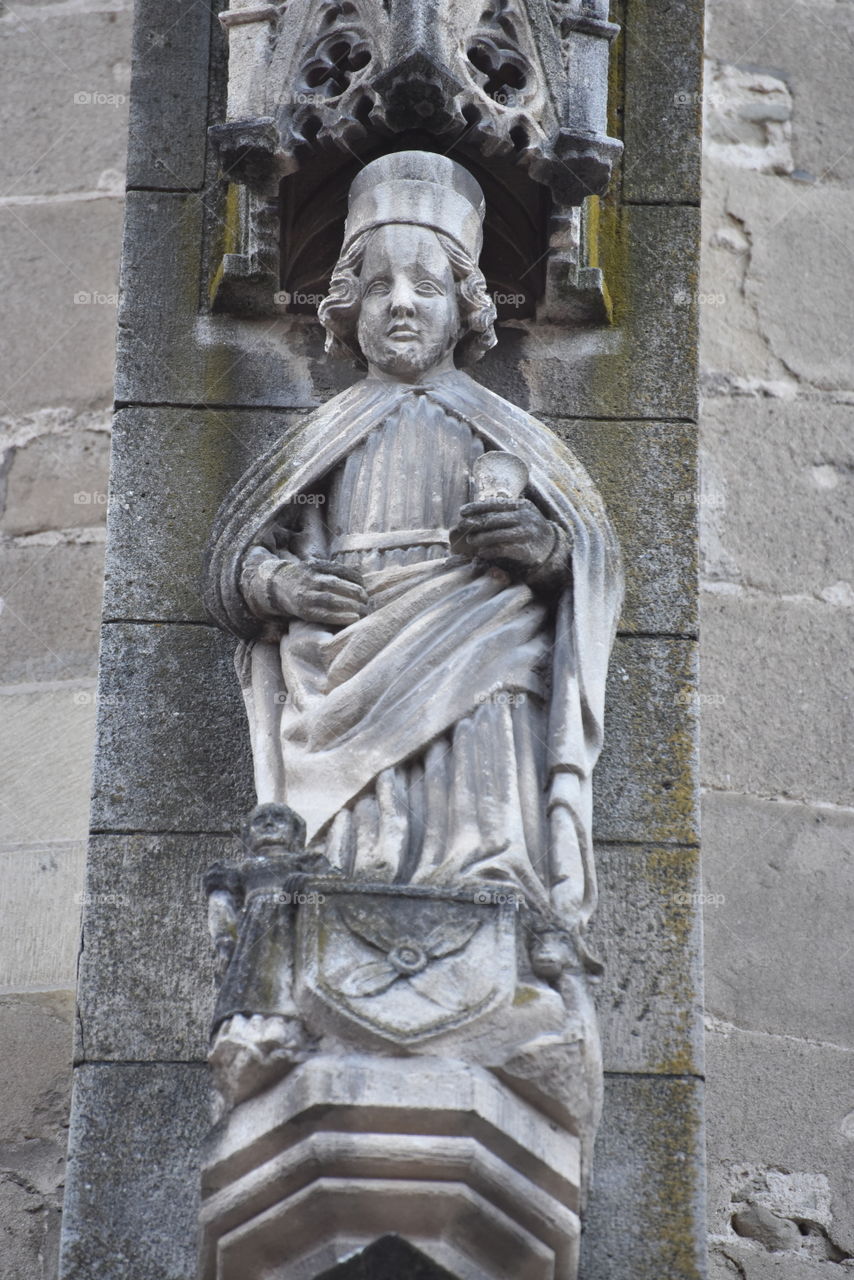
[774, 304]
[777, 518]
[63, 102]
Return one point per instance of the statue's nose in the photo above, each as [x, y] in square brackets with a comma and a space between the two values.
[402, 298]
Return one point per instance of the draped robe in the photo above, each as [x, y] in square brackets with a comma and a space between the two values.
[448, 736]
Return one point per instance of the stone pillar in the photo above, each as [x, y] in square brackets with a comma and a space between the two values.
[199, 397]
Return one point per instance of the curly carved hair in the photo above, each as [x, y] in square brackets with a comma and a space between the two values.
[339, 310]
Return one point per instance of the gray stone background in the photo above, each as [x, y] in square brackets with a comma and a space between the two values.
[777, 510]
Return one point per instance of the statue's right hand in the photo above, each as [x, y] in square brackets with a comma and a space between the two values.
[318, 591]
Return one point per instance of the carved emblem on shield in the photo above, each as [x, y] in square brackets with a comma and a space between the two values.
[404, 964]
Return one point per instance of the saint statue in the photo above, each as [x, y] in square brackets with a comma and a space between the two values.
[426, 587]
[425, 582]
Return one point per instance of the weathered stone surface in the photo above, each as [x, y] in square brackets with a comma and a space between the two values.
[752, 334]
[167, 351]
[75, 141]
[779, 1114]
[808, 44]
[44, 884]
[34, 1094]
[777, 509]
[645, 1213]
[169, 692]
[802, 706]
[67, 251]
[36, 1085]
[46, 751]
[137, 1130]
[171, 468]
[812, 230]
[28, 1228]
[57, 481]
[790, 867]
[166, 142]
[751, 1262]
[646, 473]
[146, 976]
[663, 102]
[170, 471]
[646, 931]
[645, 367]
[146, 970]
[644, 788]
[51, 599]
[734, 351]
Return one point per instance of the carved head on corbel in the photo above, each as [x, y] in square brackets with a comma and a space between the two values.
[407, 295]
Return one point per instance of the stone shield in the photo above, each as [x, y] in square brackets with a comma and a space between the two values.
[403, 964]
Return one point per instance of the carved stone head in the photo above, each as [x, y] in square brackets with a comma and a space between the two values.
[273, 828]
[407, 295]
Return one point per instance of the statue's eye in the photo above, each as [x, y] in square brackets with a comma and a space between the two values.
[377, 289]
[429, 289]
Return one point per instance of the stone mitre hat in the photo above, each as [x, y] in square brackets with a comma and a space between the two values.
[422, 189]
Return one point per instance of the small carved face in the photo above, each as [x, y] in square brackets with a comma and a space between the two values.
[409, 320]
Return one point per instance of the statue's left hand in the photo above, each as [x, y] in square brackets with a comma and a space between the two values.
[510, 531]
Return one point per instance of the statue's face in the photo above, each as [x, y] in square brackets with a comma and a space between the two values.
[409, 320]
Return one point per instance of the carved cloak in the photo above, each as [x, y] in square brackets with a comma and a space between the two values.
[586, 614]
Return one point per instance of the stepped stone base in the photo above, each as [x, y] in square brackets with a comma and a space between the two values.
[315, 1177]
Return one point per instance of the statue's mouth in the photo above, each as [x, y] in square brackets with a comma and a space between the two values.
[402, 332]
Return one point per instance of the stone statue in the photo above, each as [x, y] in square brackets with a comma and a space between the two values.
[426, 589]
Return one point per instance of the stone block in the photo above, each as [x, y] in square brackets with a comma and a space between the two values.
[644, 787]
[36, 1086]
[57, 481]
[644, 367]
[146, 971]
[170, 692]
[789, 866]
[35, 1030]
[51, 603]
[645, 1212]
[799, 456]
[43, 888]
[780, 1128]
[808, 46]
[67, 251]
[168, 118]
[752, 1262]
[170, 471]
[646, 931]
[169, 351]
[64, 99]
[135, 1129]
[795, 239]
[146, 989]
[27, 1225]
[771, 239]
[171, 468]
[734, 351]
[45, 755]
[646, 473]
[764, 666]
[663, 102]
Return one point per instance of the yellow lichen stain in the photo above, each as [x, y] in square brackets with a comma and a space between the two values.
[228, 238]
